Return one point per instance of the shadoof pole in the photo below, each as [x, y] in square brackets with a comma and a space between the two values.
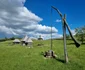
[64, 33]
[64, 39]
[64, 23]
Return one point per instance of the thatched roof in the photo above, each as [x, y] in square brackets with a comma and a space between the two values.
[16, 40]
[29, 40]
[25, 38]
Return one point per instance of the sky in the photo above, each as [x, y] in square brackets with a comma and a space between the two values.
[34, 17]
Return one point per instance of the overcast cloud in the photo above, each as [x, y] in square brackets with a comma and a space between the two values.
[16, 19]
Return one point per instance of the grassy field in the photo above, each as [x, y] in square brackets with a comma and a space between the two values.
[18, 57]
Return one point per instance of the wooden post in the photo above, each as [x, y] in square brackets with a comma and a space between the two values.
[64, 37]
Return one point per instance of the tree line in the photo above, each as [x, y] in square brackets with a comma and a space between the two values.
[11, 38]
[5, 39]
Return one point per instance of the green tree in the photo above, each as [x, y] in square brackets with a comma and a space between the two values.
[12, 38]
[80, 33]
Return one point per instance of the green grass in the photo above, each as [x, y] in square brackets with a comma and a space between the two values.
[18, 57]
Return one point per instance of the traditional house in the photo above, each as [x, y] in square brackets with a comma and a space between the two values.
[40, 38]
[16, 41]
[29, 42]
[26, 41]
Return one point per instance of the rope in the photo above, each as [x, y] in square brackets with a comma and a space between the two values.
[51, 29]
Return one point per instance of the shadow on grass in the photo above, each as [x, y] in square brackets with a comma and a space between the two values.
[56, 58]
[70, 43]
[74, 43]
[83, 43]
[60, 60]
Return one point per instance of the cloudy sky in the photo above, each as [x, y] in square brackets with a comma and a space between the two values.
[32, 17]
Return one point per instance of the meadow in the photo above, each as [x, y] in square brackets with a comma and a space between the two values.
[18, 57]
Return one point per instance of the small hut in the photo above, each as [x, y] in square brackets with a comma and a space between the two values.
[40, 41]
[29, 42]
[16, 41]
[40, 38]
[26, 41]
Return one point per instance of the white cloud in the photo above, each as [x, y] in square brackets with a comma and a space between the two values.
[45, 29]
[16, 19]
[58, 20]
[48, 36]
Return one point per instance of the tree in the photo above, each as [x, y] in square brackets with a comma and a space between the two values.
[6, 38]
[80, 33]
[12, 38]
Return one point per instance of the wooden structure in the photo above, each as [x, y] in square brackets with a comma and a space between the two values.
[16, 41]
[26, 41]
[64, 23]
[40, 38]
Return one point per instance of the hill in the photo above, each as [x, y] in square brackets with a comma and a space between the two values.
[18, 57]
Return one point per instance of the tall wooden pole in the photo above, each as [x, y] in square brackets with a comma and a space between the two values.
[64, 37]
